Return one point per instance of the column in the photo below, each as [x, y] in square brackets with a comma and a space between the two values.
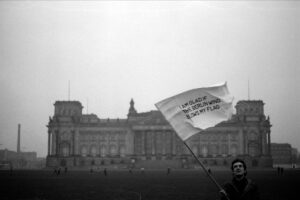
[163, 139]
[173, 143]
[229, 144]
[245, 142]
[260, 142]
[56, 142]
[144, 143]
[49, 143]
[150, 142]
[73, 135]
[154, 143]
[53, 143]
[134, 151]
[76, 142]
[263, 146]
[269, 143]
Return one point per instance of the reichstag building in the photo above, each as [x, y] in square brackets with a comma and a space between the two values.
[146, 139]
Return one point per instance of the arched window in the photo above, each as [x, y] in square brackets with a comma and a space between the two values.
[224, 149]
[112, 150]
[253, 136]
[122, 151]
[195, 149]
[253, 149]
[83, 151]
[214, 150]
[65, 136]
[178, 149]
[233, 150]
[204, 151]
[94, 151]
[103, 151]
[64, 149]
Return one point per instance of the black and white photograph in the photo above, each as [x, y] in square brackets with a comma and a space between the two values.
[149, 100]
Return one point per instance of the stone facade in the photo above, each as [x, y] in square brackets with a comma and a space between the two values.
[147, 140]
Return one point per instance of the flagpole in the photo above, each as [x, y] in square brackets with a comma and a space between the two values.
[205, 170]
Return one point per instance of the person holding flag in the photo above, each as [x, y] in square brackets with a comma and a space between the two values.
[240, 188]
[195, 110]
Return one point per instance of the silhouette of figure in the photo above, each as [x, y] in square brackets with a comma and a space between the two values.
[105, 172]
[168, 171]
[58, 171]
[10, 169]
[278, 170]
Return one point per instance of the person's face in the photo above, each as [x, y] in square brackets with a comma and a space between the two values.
[238, 169]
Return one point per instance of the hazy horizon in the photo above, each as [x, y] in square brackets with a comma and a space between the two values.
[113, 51]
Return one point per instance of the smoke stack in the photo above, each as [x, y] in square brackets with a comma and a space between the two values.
[19, 138]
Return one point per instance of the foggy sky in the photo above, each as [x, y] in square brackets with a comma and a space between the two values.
[114, 51]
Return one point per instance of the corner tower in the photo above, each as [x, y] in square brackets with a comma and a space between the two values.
[256, 131]
[67, 108]
[62, 130]
[250, 110]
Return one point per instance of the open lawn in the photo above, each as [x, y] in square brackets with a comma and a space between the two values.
[154, 185]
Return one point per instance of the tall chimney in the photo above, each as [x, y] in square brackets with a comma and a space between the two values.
[19, 138]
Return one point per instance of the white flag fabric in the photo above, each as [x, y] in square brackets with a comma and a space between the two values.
[192, 111]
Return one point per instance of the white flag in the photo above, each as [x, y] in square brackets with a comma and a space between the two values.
[192, 111]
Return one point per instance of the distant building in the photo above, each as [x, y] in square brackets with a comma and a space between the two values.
[281, 153]
[18, 160]
[147, 140]
[294, 155]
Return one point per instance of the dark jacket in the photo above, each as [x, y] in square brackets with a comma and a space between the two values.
[241, 190]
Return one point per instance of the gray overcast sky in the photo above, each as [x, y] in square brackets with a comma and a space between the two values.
[114, 51]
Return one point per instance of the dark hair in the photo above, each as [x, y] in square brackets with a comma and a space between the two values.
[238, 160]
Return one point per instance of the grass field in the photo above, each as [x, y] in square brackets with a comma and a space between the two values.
[154, 185]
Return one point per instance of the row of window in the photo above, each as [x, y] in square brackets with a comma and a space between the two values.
[216, 137]
[215, 149]
[102, 136]
[203, 150]
[111, 150]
